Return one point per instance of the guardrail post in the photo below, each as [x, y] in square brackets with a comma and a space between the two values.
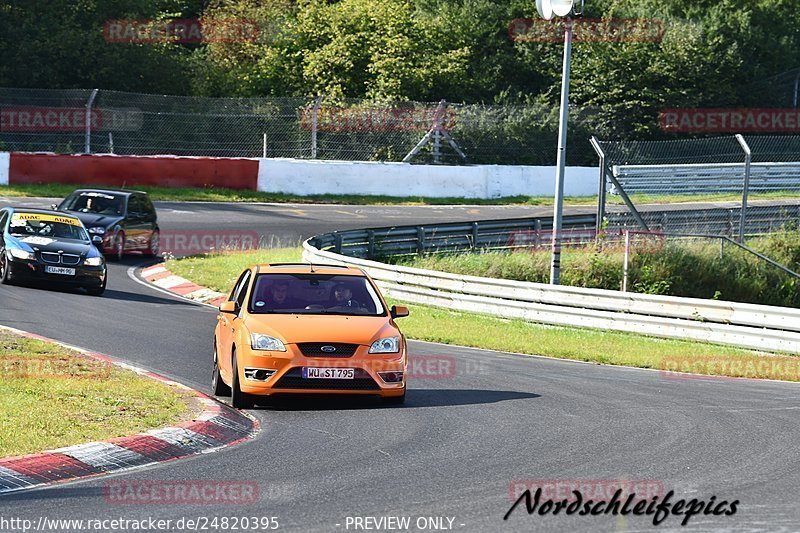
[625, 263]
[370, 244]
[420, 240]
[748, 157]
[474, 236]
[537, 225]
[337, 242]
[730, 223]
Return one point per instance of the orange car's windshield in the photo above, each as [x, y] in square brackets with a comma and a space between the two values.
[315, 294]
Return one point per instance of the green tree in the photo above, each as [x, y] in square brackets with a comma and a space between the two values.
[60, 44]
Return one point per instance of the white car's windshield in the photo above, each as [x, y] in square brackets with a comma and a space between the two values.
[52, 226]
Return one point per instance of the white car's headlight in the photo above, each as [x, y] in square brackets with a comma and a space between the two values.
[266, 343]
[385, 345]
[21, 254]
[99, 231]
[93, 261]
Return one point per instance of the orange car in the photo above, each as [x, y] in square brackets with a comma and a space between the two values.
[307, 329]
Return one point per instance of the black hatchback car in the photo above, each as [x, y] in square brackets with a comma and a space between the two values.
[47, 246]
[117, 221]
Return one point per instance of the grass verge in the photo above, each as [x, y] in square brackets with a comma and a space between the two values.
[212, 194]
[220, 271]
[54, 397]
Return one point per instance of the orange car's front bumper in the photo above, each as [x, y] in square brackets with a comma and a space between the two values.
[373, 373]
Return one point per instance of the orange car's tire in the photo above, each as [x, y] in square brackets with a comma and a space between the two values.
[217, 385]
[239, 399]
[395, 400]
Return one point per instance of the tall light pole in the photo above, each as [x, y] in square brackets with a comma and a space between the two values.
[547, 9]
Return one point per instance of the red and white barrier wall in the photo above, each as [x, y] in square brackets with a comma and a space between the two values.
[131, 171]
[293, 176]
[299, 176]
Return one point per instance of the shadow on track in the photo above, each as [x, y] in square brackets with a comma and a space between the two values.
[417, 398]
[111, 294]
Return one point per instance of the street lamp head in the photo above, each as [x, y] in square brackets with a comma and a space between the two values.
[559, 8]
[545, 9]
[562, 8]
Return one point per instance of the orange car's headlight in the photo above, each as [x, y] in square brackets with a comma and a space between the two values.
[266, 343]
[385, 345]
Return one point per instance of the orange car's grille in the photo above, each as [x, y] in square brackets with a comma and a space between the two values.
[293, 379]
[327, 349]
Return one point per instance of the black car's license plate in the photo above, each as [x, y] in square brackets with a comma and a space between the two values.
[60, 270]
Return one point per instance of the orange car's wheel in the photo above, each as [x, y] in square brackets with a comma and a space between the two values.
[239, 399]
[217, 385]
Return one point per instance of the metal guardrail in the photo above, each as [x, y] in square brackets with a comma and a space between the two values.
[706, 178]
[509, 234]
[485, 235]
[758, 327]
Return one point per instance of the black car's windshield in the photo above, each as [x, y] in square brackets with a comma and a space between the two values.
[94, 202]
[46, 226]
[315, 294]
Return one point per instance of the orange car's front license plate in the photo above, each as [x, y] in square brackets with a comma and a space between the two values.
[328, 373]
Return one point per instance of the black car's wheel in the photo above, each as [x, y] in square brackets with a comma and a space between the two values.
[5, 270]
[98, 291]
[118, 247]
[239, 399]
[154, 245]
[217, 385]
[395, 400]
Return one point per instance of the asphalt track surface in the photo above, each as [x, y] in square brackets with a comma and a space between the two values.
[460, 442]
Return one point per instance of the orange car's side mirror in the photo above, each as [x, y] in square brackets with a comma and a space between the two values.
[228, 307]
[399, 311]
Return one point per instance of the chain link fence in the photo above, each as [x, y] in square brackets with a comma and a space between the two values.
[667, 186]
[100, 121]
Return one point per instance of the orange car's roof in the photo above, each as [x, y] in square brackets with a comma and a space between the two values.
[305, 268]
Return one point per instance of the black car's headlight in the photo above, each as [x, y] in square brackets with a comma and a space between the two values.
[98, 231]
[93, 261]
[21, 254]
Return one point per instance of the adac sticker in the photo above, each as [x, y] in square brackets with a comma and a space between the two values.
[46, 218]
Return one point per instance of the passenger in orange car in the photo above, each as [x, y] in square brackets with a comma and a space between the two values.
[343, 297]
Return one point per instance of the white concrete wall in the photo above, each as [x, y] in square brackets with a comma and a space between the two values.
[304, 177]
[5, 160]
